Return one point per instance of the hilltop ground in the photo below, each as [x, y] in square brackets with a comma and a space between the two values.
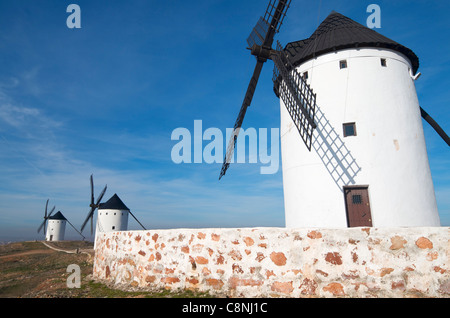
[39, 270]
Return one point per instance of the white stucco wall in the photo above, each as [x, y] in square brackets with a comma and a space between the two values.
[112, 220]
[388, 154]
[57, 228]
[280, 262]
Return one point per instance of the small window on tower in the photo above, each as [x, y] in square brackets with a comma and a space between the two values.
[383, 62]
[343, 64]
[113, 227]
[349, 129]
[305, 75]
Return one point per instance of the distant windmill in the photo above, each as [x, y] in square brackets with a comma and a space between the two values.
[361, 126]
[112, 215]
[56, 225]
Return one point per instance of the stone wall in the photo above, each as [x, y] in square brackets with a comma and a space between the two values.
[279, 262]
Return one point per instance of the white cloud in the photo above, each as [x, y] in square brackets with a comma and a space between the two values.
[18, 116]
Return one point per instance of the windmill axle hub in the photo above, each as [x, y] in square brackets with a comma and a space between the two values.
[261, 52]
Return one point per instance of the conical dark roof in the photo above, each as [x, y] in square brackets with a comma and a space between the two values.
[57, 216]
[113, 204]
[338, 32]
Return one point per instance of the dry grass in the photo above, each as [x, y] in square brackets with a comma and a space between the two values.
[32, 270]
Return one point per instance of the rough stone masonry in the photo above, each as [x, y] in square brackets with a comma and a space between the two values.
[280, 262]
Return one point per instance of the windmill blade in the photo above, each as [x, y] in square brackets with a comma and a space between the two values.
[101, 195]
[97, 204]
[46, 216]
[435, 125]
[45, 213]
[45, 221]
[89, 216]
[137, 220]
[240, 119]
[259, 33]
[276, 11]
[51, 212]
[264, 31]
[92, 189]
[40, 227]
[296, 94]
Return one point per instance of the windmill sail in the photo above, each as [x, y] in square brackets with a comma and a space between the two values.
[276, 11]
[93, 206]
[259, 33]
[296, 94]
[46, 216]
[238, 124]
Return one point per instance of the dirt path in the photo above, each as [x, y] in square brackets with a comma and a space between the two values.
[39, 269]
[46, 251]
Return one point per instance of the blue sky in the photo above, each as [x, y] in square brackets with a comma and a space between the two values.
[104, 100]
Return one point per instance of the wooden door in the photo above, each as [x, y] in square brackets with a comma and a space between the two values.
[358, 206]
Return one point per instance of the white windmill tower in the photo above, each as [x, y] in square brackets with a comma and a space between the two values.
[56, 225]
[112, 215]
[348, 94]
